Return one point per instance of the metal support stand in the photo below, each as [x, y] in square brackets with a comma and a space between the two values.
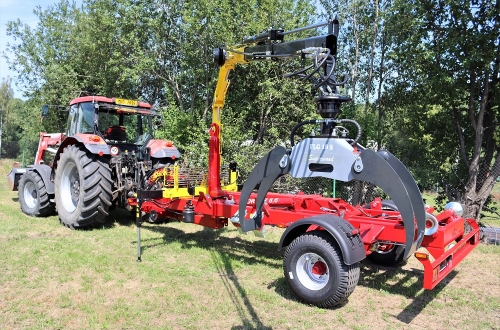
[142, 196]
[138, 217]
[138, 222]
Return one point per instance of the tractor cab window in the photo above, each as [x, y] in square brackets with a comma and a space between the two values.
[106, 120]
[123, 127]
[86, 118]
[81, 119]
[72, 120]
[144, 130]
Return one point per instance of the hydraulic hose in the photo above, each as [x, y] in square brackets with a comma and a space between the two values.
[302, 123]
[358, 126]
[317, 121]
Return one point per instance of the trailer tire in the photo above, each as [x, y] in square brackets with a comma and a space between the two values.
[391, 257]
[315, 270]
[33, 196]
[83, 188]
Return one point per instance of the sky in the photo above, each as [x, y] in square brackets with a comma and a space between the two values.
[11, 10]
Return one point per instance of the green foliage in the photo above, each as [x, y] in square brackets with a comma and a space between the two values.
[421, 71]
[189, 134]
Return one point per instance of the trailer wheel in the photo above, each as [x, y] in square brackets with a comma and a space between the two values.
[82, 188]
[33, 195]
[389, 255]
[315, 270]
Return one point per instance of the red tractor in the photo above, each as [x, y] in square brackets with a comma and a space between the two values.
[96, 162]
[325, 238]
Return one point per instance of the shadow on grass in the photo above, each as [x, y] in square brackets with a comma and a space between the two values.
[223, 251]
[236, 292]
[249, 252]
[282, 288]
[380, 278]
[119, 216]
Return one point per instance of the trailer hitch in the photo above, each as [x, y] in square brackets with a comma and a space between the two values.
[335, 158]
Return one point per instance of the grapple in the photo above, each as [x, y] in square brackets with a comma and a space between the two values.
[336, 158]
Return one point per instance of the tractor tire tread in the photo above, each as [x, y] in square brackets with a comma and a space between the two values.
[44, 207]
[97, 187]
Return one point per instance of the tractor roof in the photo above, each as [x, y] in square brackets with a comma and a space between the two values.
[117, 104]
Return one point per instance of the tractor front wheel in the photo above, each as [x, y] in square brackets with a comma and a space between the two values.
[316, 272]
[33, 196]
[83, 188]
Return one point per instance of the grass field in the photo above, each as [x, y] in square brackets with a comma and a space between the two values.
[197, 278]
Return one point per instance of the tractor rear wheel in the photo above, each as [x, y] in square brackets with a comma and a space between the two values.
[83, 188]
[316, 272]
[33, 196]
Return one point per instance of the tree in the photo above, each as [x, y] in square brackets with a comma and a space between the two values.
[450, 51]
[11, 120]
[160, 52]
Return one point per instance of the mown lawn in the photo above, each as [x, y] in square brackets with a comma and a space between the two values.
[197, 278]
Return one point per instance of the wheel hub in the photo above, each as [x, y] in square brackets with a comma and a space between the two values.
[75, 189]
[70, 187]
[384, 248]
[312, 271]
[30, 195]
[319, 268]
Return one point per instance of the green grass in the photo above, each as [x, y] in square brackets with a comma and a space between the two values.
[197, 278]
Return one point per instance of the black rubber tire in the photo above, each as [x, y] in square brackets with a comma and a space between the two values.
[393, 257]
[33, 196]
[340, 281]
[81, 173]
[387, 204]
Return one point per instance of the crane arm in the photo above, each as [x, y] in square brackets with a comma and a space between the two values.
[268, 45]
[229, 62]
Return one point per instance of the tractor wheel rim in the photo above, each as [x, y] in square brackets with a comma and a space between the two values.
[312, 271]
[30, 195]
[70, 187]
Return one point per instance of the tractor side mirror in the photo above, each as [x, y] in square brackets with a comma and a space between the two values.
[45, 111]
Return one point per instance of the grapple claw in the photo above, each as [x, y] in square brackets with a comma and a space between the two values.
[388, 173]
[411, 187]
[268, 170]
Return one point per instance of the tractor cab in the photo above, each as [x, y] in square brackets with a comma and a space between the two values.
[116, 121]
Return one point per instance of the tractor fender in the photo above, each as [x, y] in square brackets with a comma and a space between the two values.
[346, 236]
[82, 139]
[45, 172]
[159, 149]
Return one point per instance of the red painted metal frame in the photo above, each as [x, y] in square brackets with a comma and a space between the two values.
[374, 224]
[445, 260]
[47, 140]
[104, 99]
